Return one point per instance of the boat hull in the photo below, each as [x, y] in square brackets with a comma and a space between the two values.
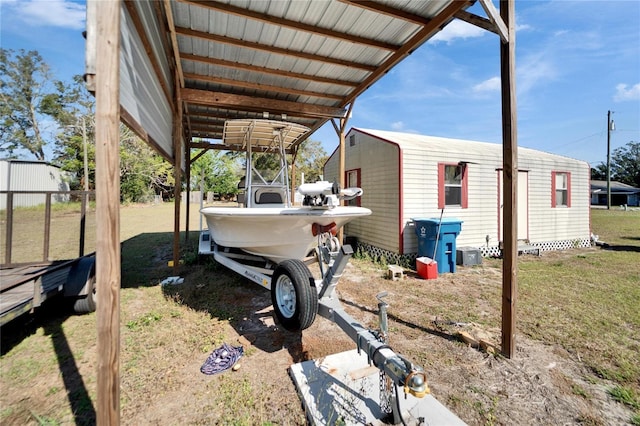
[277, 233]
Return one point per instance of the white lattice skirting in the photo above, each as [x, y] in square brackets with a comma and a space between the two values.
[487, 251]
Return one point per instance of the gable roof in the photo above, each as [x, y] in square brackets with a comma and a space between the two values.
[417, 142]
[616, 187]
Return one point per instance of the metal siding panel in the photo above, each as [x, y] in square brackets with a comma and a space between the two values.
[140, 92]
[34, 176]
[148, 17]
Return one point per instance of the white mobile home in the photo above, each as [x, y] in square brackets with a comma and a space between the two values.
[406, 176]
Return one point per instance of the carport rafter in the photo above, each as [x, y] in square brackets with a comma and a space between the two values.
[427, 31]
[259, 86]
[250, 103]
[266, 71]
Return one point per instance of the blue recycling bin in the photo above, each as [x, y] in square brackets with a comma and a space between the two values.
[437, 240]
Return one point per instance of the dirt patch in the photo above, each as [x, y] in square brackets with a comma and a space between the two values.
[542, 384]
[168, 332]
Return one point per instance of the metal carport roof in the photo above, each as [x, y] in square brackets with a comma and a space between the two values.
[303, 61]
[176, 70]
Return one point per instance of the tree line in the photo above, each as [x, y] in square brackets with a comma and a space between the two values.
[625, 165]
[50, 120]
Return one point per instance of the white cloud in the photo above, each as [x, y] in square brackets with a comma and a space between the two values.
[455, 30]
[54, 13]
[397, 126]
[626, 93]
[490, 85]
[523, 27]
[533, 70]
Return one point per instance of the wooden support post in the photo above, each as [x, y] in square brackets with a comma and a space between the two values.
[107, 85]
[187, 162]
[342, 150]
[47, 226]
[177, 173]
[292, 178]
[510, 175]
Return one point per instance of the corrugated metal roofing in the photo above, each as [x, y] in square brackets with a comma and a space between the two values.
[303, 61]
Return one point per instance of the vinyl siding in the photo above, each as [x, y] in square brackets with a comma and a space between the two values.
[378, 164]
[421, 161]
[376, 154]
[560, 223]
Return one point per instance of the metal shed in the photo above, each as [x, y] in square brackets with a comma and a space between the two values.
[175, 70]
[399, 173]
[27, 175]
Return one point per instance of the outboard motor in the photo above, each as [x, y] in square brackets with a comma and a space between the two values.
[326, 194]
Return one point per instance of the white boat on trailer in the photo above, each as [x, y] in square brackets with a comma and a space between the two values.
[268, 229]
[271, 242]
[267, 224]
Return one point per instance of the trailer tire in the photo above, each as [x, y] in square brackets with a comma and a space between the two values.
[294, 295]
[87, 304]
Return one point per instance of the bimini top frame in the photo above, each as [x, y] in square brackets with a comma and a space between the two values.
[264, 136]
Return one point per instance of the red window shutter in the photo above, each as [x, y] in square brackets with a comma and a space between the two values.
[553, 189]
[568, 189]
[440, 185]
[465, 187]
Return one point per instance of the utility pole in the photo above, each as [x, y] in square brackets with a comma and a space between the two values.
[608, 160]
[84, 146]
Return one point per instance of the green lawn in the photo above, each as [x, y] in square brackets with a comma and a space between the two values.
[589, 302]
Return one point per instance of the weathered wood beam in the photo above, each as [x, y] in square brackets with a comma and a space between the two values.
[476, 20]
[258, 86]
[177, 173]
[249, 103]
[420, 37]
[174, 41]
[264, 70]
[194, 159]
[510, 176]
[496, 19]
[108, 273]
[389, 11]
[219, 146]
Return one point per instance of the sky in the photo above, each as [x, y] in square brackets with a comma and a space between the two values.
[575, 61]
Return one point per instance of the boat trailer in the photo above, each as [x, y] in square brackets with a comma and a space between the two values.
[297, 297]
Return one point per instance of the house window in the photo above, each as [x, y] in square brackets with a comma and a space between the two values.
[452, 185]
[352, 179]
[352, 140]
[560, 189]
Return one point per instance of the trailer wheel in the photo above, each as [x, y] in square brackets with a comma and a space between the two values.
[294, 296]
[86, 304]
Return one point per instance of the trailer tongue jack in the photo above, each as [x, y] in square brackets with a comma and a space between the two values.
[399, 369]
[297, 298]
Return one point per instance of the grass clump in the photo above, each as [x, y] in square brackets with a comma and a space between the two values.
[625, 396]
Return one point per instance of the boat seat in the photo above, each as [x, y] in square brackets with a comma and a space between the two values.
[269, 196]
